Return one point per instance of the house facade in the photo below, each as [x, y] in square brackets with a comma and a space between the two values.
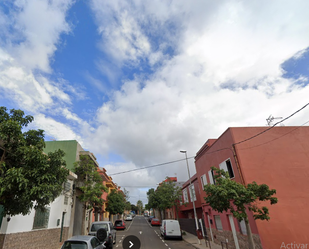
[277, 157]
[51, 224]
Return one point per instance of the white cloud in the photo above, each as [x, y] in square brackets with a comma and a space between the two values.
[55, 129]
[216, 64]
[39, 25]
[226, 72]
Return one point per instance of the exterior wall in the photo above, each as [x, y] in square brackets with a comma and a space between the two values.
[279, 158]
[19, 230]
[209, 156]
[36, 239]
[69, 147]
[186, 209]
[220, 236]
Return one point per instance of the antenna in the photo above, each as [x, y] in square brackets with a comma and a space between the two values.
[271, 118]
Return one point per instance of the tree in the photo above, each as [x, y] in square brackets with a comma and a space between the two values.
[227, 194]
[90, 183]
[115, 203]
[139, 205]
[29, 178]
[134, 208]
[167, 195]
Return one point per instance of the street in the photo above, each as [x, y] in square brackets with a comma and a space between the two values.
[149, 236]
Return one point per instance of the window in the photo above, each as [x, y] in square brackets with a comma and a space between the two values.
[203, 181]
[218, 222]
[192, 193]
[180, 199]
[95, 242]
[67, 186]
[227, 166]
[242, 227]
[211, 177]
[66, 200]
[185, 195]
[75, 245]
[41, 218]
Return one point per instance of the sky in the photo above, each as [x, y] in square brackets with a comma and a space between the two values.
[136, 81]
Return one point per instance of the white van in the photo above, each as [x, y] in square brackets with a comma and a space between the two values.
[170, 229]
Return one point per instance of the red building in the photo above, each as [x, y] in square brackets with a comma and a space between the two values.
[277, 157]
[186, 209]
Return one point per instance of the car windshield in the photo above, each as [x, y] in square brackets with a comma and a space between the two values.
[74, 245]
[118, 222]
[96, 227]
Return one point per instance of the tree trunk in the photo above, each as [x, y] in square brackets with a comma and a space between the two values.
[83, 220]
[249, 233]
[89, 220]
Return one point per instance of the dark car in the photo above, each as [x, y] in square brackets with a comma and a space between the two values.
[150, 218]
[110, 230]
[120, 225]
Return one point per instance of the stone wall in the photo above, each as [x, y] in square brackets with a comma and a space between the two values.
[36, 239]
[242, 239]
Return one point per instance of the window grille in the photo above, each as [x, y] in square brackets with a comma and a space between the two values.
[41, 218]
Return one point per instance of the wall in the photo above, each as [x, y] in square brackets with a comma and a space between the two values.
[279, 158]
[36, 239]
[219, 151]
[21, 226]
[69, 147]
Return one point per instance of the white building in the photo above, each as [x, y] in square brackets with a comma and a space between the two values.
[53, 224]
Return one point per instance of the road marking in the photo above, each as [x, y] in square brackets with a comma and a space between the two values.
[166, 244]
[130, 225]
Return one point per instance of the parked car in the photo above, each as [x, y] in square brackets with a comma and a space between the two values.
[108, 226]
[120, 225]
[155, 222]
[170, 229]
[128, 217]
[83, 242]
[150, 218]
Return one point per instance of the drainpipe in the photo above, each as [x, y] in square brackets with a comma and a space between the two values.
[237, 165]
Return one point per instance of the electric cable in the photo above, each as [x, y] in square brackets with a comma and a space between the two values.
[247, 139]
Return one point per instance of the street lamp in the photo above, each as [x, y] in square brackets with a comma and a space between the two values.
[191, 193]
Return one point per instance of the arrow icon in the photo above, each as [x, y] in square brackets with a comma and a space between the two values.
[131, 244]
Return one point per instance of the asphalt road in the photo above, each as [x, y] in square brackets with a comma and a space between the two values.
[149, 236]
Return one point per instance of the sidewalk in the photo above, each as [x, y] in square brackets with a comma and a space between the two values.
[193, 240]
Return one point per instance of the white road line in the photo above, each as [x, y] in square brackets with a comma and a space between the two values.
[166, 244]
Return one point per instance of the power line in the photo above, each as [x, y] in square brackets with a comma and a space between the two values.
[152, 166]
[247, 139]
[275, 138]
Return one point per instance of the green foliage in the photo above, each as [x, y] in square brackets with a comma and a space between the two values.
[139, 205]
[90, 182]
[134, 208]
[115, 202]
[227, 194]
[165, 196]
[127, 206]
[28, 177]
[126, 194]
